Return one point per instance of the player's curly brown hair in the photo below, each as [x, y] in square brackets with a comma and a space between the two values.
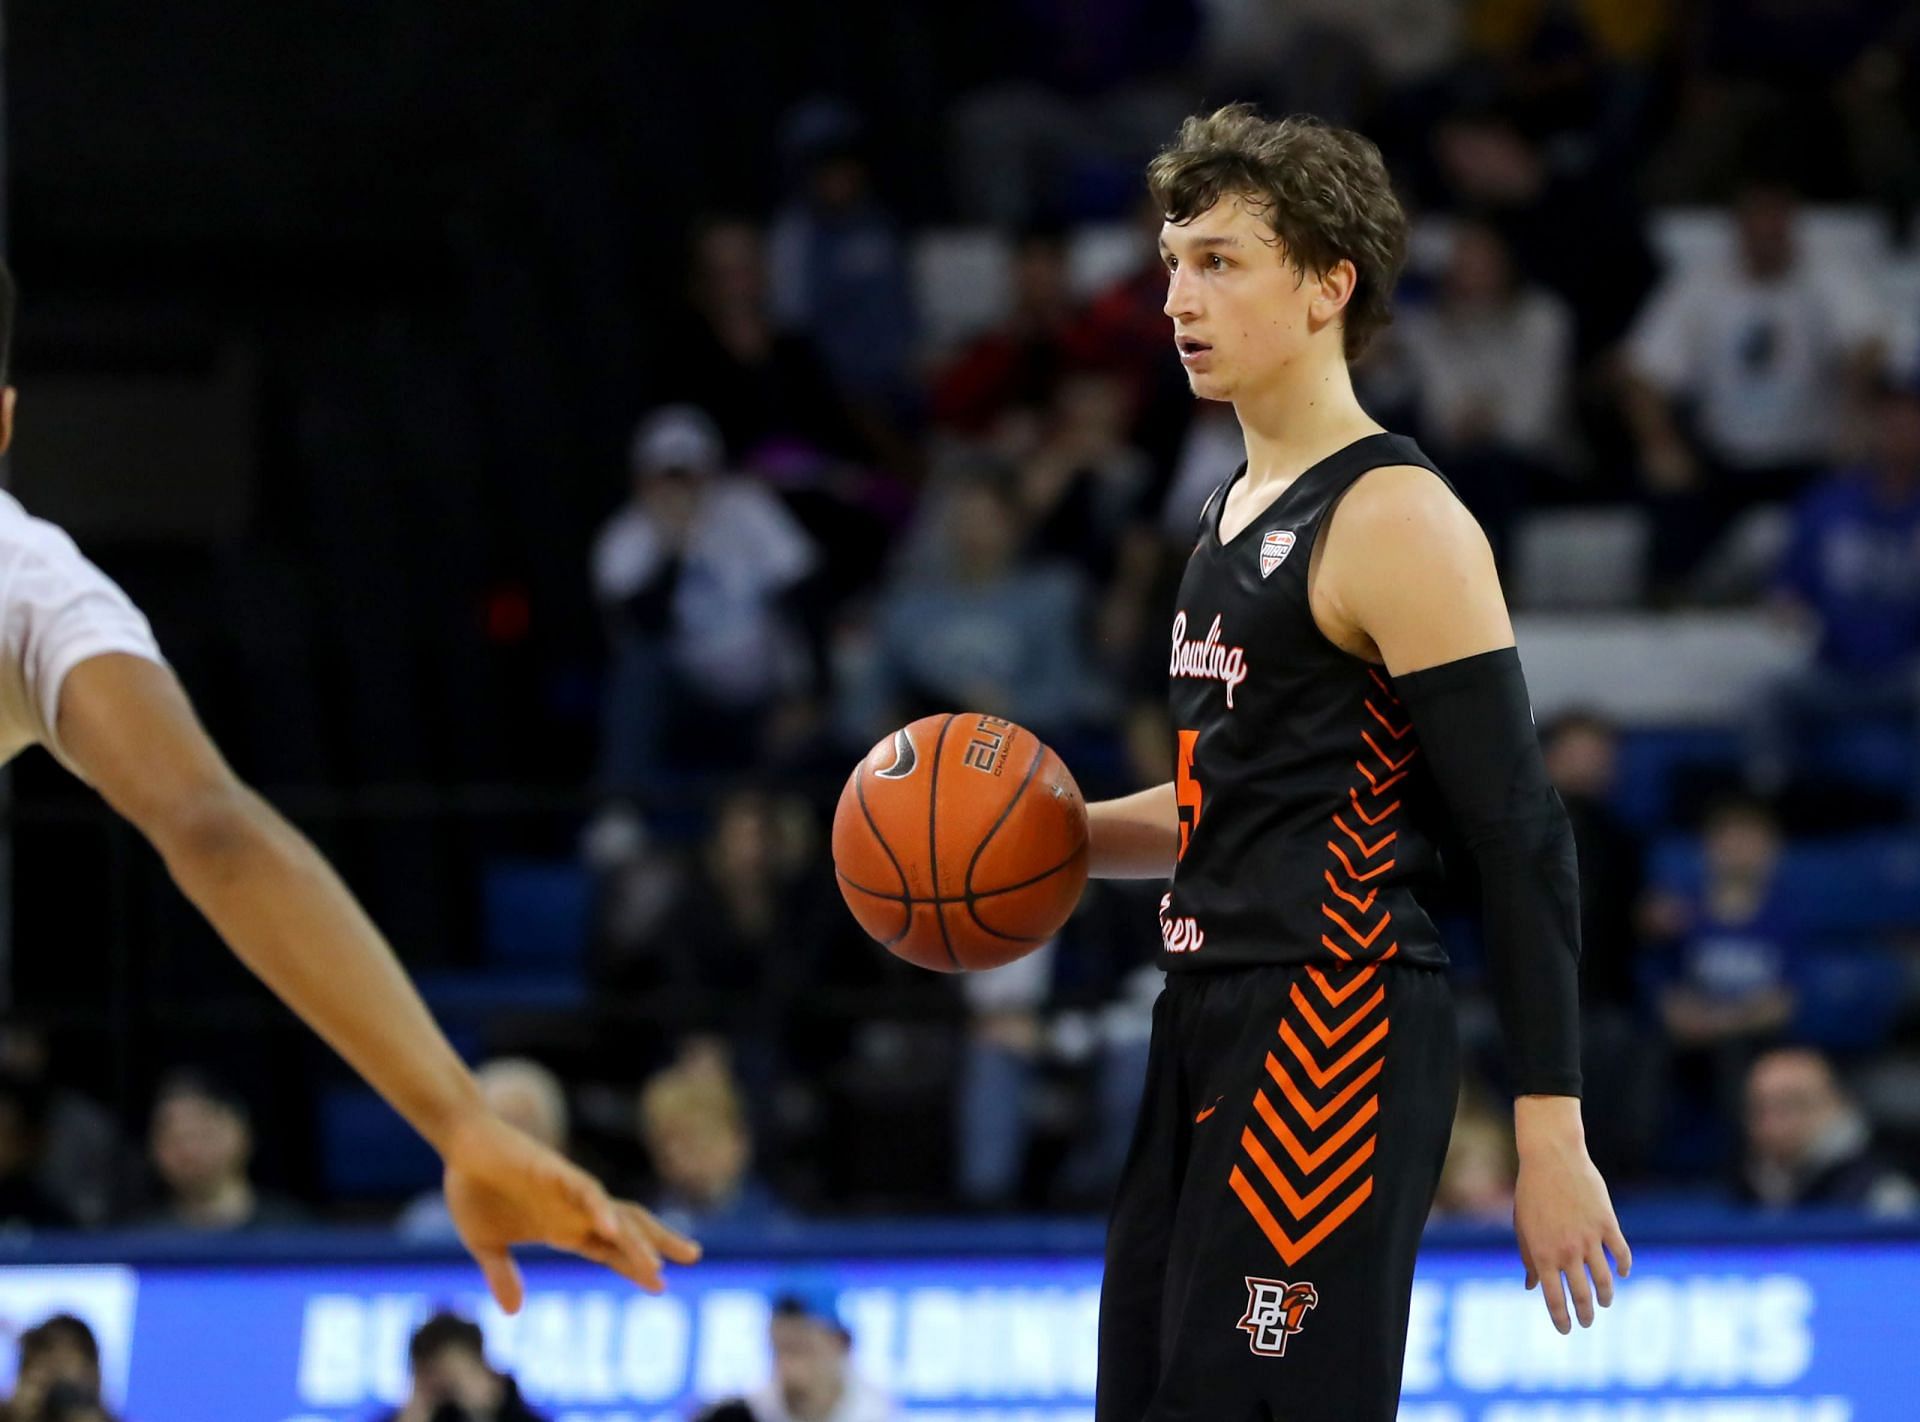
[1323, 190]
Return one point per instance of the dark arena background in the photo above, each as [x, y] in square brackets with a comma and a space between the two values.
[379, 351]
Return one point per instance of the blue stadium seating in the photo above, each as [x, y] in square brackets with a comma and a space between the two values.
[370, 1153]
[1652, 757]
[1862, 883]
[538, 913]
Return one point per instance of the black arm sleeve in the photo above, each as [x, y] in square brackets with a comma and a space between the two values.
[1478, 738]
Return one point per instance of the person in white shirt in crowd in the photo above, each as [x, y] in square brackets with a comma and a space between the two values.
[82, 675]
[1492, 361]
[527, 1097]
[695, 574]
[1739, 376]
[814, 1379]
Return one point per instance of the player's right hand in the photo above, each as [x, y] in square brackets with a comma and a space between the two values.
[504, 1188]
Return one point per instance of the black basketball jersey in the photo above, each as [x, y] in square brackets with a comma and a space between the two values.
[1305, 814]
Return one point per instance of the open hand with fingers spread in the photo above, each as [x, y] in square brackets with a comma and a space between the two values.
[503, 1189]
[1562, 1215]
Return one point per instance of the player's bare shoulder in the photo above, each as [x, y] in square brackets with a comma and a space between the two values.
[1403, 573]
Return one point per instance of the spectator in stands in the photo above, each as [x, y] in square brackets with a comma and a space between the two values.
[1016, 366]
[1554, 205]
[1718, 974]
[1332, 58]
[1738, 376]
[25, 1202]
[1090, 92]
[57, 1378]
[1088, 497]
[974, 624]
[1852, 571]
[1582, 751]
[527, 1097]
[1807, 1143]
[1125, 328]
[729, 942]
[839, 269]
[201, 1140]
[1492, 360]
[452, 1380]
[694, 1126]
[1006, 1041]
[1477, 1180]
[86, 1162]
[763, 386]
[696, 575]
[1823, 89]
[814, 1379]
[1730, 941]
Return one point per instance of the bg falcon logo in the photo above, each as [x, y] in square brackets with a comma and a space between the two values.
[1275, 1309]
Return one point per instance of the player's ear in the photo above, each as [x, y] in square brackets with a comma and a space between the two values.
[1333, 289]
[7, 396]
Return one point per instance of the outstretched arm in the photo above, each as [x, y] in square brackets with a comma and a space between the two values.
[1410, 571]
[126, 723]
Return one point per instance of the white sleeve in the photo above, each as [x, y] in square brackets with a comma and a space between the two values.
[59, 611]
[1662, 347]
[1857, 318]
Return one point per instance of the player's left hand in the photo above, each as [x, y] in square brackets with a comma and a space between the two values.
[503, 1189]
[1566, 1227]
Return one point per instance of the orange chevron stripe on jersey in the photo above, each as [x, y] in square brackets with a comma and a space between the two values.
[1317, 1116]
[1337, 996]
[1325, 1076]
[1288, 1248]
[1330, 1036]
[1386, 759]
[1364, 905]
[1305, 1160]
[1397, 732]
[1353, 794]
[1307, 1174]
[1355, 874]
[1299, 1205]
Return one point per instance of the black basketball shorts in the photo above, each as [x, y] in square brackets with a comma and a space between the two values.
[1260, 1256]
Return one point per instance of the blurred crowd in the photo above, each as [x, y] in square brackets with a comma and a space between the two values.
[1663, 278]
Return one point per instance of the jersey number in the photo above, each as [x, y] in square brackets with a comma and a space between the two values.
[1186, 790]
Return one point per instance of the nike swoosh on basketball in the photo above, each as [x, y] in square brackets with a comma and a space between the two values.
[905, 757]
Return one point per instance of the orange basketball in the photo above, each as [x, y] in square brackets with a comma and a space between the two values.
[960, 842]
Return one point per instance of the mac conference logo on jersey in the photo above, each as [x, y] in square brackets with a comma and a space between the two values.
[1274, 549]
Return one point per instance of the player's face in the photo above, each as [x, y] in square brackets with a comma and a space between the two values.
[1241, 311]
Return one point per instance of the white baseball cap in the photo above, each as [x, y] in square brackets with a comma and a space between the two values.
[682, 437]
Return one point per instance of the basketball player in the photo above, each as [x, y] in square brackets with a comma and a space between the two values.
[1343, 674]
[80, 673]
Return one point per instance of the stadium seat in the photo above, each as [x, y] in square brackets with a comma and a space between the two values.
[1656, 761]
[369, 1152]
[1855, 239]
[1865, 883]
[961, 284]
[1574, 558]
[1851, 995]
[538, 913]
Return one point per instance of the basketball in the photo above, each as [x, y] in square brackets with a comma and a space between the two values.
[960, 842]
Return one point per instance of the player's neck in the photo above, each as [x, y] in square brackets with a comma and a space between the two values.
[1293, 423]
